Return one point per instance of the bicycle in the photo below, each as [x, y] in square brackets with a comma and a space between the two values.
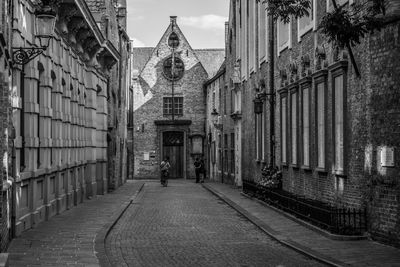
[164, 178]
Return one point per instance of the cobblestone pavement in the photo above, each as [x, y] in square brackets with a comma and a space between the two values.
[68, 239]
[185, 225]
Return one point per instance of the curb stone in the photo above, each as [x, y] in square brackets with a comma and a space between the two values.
[276, 235]
[99, 242]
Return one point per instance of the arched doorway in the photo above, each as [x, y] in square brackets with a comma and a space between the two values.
[173, 147]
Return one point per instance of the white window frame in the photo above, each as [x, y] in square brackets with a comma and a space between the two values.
[288, 43]
[329, 7]
[339, 159]
[252, 36]
[306, 159]
[258, 139]
[263, 135]
[320, 138]
[294, 128]
[238, 30]
[244, 38]
[263, 32]
[311, 26]
[284, 129]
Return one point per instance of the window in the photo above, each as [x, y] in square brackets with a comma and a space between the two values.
[232, 102]
[284, 35]
[244, 39]
[259, 133]
[167, 106]
[52, 185]
[232, 167]
[284, 129]
[24, 202]
[226, 153]
[306, 126]
[213, 152]
[238, 28]
[173, 40]
[320, 106]
[39, 190]
[225, 96]
[130, 109]
[293, 123]
[252, 35]
[40, 120]
[219, 152]
[262, 32]
[306, 23]
[173, 68]
[339, 122]
[263, 134]
[329, 4]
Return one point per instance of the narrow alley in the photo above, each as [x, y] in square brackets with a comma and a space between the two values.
[181, 225]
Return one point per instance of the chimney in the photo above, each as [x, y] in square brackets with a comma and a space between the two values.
[226, 37]
[173, 20]
[121, 9]
[226, 32]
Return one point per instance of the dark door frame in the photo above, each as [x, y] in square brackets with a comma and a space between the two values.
[184, 163]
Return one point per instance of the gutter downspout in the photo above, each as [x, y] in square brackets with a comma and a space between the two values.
[272, 91]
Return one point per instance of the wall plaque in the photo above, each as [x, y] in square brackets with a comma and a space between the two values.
[387, 156]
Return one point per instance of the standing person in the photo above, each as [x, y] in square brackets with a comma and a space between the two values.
[203, 170]
[164, 166]
[197, 169]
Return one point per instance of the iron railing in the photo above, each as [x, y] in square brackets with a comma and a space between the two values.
[343, 221]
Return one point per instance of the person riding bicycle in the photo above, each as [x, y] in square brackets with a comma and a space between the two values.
[165, 171]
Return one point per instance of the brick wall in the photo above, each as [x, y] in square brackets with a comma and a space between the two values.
[5, 125]
[5, 149]
[152, 86]
[383, 117]
[372, 104]
[105, 13]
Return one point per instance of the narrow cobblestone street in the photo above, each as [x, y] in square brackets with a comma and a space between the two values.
[182, 225]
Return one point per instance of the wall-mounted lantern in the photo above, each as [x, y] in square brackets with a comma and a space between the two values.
[215, 119]
[45, 21]
[258, 105]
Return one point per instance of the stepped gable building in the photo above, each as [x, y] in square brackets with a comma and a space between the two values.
[333, 133]
[169, 103]
[61, 109]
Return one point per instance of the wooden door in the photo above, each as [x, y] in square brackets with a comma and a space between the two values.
[173, 145]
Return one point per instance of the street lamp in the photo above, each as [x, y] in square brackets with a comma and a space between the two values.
[215, 120]
[258, 105]
[45, 21]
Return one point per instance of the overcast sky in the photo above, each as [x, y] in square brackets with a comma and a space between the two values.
[202, 21]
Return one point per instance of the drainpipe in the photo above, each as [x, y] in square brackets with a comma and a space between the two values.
[272, 91]
[13, 189]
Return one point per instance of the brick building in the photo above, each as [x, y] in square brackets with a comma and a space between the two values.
[169, 105]
[5, 123]
[111, 16]
[62, 103]
[334, 134]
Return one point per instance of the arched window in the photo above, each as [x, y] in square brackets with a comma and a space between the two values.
[173, 40]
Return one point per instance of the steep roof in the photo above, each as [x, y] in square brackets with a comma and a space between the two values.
[211, 59]
[140, 56]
